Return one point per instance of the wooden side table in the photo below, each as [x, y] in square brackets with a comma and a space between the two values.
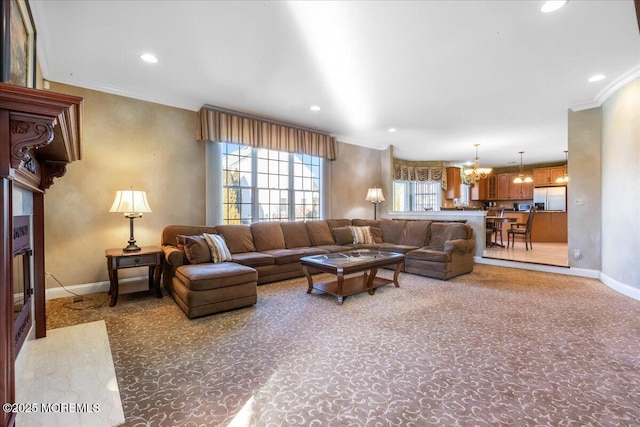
[150, 256]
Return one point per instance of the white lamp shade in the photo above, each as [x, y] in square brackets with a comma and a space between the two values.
[374, 195]
[130, 202]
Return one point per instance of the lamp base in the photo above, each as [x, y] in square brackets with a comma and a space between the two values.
[132, 247]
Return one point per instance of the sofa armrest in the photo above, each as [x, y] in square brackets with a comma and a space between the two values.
[463, 246]
[173, 256]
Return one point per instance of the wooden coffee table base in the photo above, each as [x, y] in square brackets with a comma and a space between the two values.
[342, 287]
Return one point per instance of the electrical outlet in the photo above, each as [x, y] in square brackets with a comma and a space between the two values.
[576, 253]
[578, 201]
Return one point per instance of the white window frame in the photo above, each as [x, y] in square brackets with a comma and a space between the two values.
[215, 187]
[407, 196]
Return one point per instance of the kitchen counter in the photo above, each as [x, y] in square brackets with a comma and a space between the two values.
[548, 226]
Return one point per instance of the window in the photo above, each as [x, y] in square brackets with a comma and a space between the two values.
[464, 196]
[268, 185]
[416, 195]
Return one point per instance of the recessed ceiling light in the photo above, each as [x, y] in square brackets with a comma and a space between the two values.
[315, 108]
[147, 57]
[391, 130]
[596, 78]
[552, 5]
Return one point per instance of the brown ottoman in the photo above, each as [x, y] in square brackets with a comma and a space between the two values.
[201, 289]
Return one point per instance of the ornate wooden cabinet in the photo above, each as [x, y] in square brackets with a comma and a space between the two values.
[40, 133]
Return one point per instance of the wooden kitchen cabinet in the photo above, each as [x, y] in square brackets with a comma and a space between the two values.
[507, 190]
[545, 177]
[503, 186]
[549, 227]
[480, 190]
[522, 191]
[453, 183]
[557, 173]
[493, 187]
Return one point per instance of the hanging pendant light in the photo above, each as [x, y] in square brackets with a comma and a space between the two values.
[564, 179]
[477, 173]
[521, 178]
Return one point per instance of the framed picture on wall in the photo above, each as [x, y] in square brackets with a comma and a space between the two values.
[18, 59]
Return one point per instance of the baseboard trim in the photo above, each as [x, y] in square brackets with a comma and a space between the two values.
[620, 287]
[568, 271]
[133, 284]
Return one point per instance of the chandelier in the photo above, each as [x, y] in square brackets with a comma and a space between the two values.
[520, 179]
[564, 179]
[477, 173]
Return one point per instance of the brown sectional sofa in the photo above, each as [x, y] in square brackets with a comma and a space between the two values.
[271, 251]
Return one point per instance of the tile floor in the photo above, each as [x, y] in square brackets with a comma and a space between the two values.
[68, 379]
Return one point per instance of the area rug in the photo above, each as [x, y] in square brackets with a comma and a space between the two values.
[498, 346]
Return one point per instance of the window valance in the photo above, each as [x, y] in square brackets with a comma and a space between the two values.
[224, 126]
[419, 173]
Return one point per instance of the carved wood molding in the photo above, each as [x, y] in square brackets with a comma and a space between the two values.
[52, 169]
[28, 132]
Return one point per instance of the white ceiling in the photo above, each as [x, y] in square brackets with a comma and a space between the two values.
[445, 74]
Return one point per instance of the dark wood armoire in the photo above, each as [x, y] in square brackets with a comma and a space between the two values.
[40, 133]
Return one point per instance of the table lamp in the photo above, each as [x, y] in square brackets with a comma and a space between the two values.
[133, 204]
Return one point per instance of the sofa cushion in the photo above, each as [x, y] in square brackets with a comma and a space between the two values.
[171, 232]
[319, 233]
[267, 235]
[217, 247]
[362, 235]
[429, 255]
[180, 241]
[287, 256]
[416, 233]
[203, 277]
[364, 222]
[392, 230]
[376, 232]
[196, 249]
[392, 247]
[295, 234]
[334, 248]
[443, 231]
[253, 259]
[238, 237]
[336, 223]
[342, 235]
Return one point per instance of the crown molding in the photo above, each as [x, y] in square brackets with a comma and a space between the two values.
[609, 90]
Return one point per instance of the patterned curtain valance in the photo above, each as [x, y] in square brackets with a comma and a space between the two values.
[224, 126]
[418, 173]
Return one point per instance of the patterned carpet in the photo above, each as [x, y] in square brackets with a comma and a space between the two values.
[495, 347]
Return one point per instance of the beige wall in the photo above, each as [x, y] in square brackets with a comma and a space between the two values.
[584, 168]
[621, 184]
[355, 170]
[126, 143]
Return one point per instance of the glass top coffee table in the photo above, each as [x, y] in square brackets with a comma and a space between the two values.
[344, 263]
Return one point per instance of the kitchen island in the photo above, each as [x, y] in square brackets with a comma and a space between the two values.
[548, 226]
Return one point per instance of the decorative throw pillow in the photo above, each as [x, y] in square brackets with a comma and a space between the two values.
[180, 239]
[362, 234]
[343, 235]
[376, 232]
[196, 249]
[218, 248]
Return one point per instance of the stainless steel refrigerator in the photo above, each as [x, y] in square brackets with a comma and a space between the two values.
[554, 198]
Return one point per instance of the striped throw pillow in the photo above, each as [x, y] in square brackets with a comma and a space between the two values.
[362, 234]
[218, 248]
